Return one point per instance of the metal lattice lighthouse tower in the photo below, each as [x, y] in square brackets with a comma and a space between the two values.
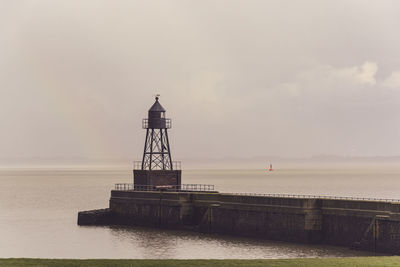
[156, 155]
[156, 167]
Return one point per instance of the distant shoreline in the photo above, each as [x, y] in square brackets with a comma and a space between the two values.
[233, 163]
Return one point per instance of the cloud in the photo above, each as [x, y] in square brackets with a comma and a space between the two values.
[364, 74]
[393, 81]
[324, 82]
[326, 108]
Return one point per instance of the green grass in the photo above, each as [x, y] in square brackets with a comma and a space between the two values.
[358, 261]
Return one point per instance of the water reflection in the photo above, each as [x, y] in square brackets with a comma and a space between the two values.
[150, 242]
[168, 244]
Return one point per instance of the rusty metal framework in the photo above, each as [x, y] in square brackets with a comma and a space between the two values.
[157, 154]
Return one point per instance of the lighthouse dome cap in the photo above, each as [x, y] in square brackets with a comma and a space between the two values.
[156, 107]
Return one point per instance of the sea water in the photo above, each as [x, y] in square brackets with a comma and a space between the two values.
[39, 207]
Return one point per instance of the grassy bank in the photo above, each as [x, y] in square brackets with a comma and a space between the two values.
[359, 261]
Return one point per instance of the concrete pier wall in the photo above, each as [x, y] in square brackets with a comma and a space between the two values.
[369, 225]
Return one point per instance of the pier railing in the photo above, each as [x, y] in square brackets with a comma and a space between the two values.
[171, 188]
[210, 188]
[317, 197]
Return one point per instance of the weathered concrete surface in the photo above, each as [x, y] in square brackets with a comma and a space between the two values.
[369, 225]
[95, 217]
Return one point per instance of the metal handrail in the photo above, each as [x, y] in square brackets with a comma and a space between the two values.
[137, 165]
[316, 197]
[209, 188]
[173, 188]
[168, 123]
[176, 165]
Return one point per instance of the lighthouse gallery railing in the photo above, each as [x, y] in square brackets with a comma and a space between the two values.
[137, 165]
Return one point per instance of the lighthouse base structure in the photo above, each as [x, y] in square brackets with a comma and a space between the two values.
[156, 178]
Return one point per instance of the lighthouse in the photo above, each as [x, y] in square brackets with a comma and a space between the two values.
[156, 167]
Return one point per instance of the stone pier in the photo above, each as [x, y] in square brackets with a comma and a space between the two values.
[367, 225]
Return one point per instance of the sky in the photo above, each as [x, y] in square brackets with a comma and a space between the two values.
[238, 78]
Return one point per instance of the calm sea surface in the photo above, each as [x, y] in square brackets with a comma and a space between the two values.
[38, 213]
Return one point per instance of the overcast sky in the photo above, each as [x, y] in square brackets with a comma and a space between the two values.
[238, 78]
